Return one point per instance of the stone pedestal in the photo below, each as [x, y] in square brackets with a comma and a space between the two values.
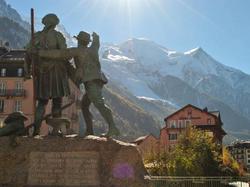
[60, 125]
[70, 162]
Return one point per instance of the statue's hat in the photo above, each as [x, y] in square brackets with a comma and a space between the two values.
[14, 116]
[83, 36]
[50, 20]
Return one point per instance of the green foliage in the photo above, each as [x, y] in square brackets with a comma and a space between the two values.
[158, 163]
[230, 165]
[195, 155]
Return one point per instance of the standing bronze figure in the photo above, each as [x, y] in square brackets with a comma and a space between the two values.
[50, 74]
[88, 71]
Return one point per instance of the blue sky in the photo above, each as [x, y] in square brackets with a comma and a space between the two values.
[220, 27]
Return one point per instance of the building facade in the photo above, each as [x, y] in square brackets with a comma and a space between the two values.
[147, 145]
[16, 93]
[241, 152]
[189, 115]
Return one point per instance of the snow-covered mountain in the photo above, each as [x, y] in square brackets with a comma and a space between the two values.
[152, 72]
[13, 29]
[7, 11]
[71, 42]
[149, 80]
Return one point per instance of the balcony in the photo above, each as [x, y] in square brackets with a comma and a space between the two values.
[13, 93]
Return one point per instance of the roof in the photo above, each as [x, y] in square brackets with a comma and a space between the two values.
[3, 50]
[12, 55]
[241, 144]
[214, 113]
[212, 126]
[142, 138]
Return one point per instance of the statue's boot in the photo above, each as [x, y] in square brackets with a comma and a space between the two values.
[94, 95]
[85, 104]
[56, 107]
[40, 111]
[113, 131]
[107, 115]
[88, 120]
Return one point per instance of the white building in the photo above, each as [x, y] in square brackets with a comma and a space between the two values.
[240, 150]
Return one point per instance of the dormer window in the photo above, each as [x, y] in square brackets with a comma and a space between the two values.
[3, 72]
[20, 72]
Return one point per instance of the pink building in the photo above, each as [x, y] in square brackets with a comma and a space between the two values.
[16, 93]
[209, 121]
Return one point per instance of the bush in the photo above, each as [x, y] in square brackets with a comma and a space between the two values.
[195, 155]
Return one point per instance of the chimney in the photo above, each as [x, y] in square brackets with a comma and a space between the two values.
[205, 109]
[7, 44]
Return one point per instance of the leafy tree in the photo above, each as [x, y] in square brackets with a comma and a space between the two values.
[230, 165]
[196, 154]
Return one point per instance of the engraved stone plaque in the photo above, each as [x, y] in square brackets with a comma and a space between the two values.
[64, 169]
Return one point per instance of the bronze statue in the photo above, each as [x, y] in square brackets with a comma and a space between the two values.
[50, 74]
[14, 126]
[88, 71]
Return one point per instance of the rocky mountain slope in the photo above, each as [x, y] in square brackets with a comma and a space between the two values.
[13, 33]
[152, 72]
[7, 11]
[132, 120]
[13, 29]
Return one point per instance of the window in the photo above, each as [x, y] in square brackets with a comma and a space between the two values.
[3, 72]
[2, 88]
[20, 72]
[209, 121]
[1, 105]
[18, 106]
[19, 87]
[239, 151]
[172, 124]
[181, 124]
[172, 137]
[187, 123]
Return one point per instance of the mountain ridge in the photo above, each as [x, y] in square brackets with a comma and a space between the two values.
[141, 69]
[159, 80]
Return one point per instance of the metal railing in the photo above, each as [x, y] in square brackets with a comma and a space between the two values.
[12, 93]
[167, 181]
